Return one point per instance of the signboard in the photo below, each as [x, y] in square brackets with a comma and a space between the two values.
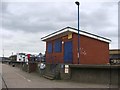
[69, 35]
[66, 68]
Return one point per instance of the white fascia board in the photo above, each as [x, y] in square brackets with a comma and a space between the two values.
[89, 35]
[75, 31]
[54, 34]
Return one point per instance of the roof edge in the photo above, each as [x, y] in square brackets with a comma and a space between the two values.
[71, 29]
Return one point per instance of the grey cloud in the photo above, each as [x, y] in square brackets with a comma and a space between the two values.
[49, 17]
[5, 36]
[30, 21]
[54, 17]
[109, 4]
[96, 19]
[40, 18]
[24, 45]
[3, 7]
[119, 22]
[23, 22]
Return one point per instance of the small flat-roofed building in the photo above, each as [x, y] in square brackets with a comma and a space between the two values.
[114, 56]
[62, 47]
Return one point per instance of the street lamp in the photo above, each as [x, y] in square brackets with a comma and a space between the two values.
[77, 3]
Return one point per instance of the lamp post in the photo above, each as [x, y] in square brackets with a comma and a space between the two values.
[77, 3]
[3, 55]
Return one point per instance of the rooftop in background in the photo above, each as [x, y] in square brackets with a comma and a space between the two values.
[0, 58]
[114, 51]
[66, 30]
[4, 58]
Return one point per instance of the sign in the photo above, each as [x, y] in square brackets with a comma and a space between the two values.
[69, 35]
[66, 68]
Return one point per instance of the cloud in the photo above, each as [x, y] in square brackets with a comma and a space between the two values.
[24, 23]
[37, 17]
[101, 21]
[21, 42]
[33, 19]
[3, 7]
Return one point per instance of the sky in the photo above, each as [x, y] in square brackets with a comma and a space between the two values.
[24, 22]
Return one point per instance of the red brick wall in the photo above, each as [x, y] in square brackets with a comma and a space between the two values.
[92, 51]
[56, 57]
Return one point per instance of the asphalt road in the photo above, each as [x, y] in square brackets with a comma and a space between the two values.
[14, 77]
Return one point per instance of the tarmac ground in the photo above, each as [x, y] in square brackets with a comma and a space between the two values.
[13, 77]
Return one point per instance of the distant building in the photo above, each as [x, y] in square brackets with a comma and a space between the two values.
[23, 57]
[62, 47]
[114, 56]
[4, 59]
[13, 58]
[0, 59]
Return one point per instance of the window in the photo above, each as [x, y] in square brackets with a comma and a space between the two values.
[49, 48]
[58, 46]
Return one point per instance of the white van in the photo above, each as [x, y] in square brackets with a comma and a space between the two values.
[22, 57]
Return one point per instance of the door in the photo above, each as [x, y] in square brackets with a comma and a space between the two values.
[68, 52]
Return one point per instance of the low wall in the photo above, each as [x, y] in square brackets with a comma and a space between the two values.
[16, 64]
[32, 67]
[28, 67]
[63, 74]
[102, 74]
[53, 69]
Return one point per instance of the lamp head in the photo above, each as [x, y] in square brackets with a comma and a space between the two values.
[77, 3]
